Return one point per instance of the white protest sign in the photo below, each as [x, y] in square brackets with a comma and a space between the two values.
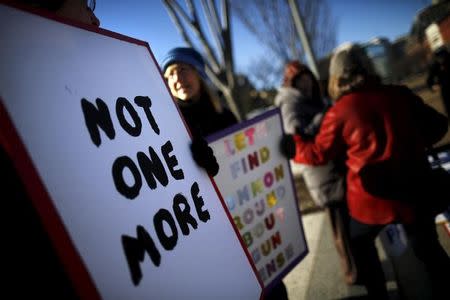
[434, 36]
[110, 150]
[256, 183]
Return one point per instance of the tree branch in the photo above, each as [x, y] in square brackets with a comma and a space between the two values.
[179, 10]
[214, 30]
[220, 72]
[213, 12]
[271, 22]
[226, 35]
[176, 20]
[196, 28]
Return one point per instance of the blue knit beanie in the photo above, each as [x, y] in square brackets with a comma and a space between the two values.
[185, 55]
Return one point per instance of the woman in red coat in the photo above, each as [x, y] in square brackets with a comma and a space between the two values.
[370, 125]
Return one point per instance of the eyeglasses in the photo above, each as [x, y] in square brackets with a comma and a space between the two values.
[179, 70]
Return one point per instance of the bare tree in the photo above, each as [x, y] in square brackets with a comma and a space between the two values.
[264, 71]
[218, 58]
[271, 22]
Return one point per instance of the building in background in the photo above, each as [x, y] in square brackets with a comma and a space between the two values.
[408, 55]
[380, 51]
[431, 26]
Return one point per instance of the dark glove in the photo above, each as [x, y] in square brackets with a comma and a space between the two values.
[203, 155]
[287, 146]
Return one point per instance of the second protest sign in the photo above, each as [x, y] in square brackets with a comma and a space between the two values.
[256, 183]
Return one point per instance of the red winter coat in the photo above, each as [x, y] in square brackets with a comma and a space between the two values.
[366, 127]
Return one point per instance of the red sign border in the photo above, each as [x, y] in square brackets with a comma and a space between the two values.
[40, 198]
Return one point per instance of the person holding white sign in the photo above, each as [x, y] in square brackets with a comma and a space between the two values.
[32, 263]
[76, 10]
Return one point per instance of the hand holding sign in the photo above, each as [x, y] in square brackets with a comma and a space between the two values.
[204, 156]
[287, 146]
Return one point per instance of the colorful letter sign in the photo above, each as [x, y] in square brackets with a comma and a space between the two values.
[90, 113]
[256, 182]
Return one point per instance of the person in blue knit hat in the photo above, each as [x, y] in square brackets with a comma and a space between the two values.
[184, 70]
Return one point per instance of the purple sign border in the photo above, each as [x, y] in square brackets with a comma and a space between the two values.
[220, 134]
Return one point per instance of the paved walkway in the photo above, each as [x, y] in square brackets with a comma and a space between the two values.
[319, 277]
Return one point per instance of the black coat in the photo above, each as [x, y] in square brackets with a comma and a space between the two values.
[31, 267]
[203, 119]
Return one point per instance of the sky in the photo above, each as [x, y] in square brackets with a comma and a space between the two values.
[357, 21]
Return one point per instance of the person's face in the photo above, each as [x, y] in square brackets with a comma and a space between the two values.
[304, 83]
[184, 81]
[78, 10]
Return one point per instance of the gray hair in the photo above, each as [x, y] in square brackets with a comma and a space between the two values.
[350, 69]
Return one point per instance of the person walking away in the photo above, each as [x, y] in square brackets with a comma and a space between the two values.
[439, 73]
[382, 131]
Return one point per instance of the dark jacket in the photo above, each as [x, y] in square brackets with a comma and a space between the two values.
[30, 263]
[203, 119]
[439, 73]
